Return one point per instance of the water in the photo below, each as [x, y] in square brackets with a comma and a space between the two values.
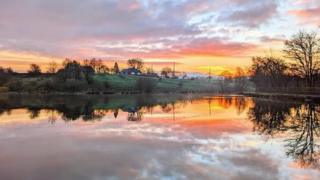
[157, 137]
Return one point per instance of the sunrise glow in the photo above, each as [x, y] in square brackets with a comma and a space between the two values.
[197, 35]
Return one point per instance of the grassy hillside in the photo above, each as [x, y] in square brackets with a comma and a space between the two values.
[107, 83]
[128, 83]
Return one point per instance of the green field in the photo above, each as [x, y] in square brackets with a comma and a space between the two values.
[110, 83]
[127, 83]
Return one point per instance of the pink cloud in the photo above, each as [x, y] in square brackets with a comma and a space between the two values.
[308, 16]
[215, 47]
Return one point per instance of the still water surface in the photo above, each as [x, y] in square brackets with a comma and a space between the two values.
[158, 137]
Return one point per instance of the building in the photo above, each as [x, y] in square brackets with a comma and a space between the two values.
[131, 71]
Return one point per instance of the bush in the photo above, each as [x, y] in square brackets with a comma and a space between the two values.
[72, 85]
[4, 89]
[146, 85]
[106, 85]
[15, 85]
[47, 85]
[30, 86]
[97, 86]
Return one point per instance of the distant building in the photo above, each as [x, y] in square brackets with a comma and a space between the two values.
[155, 75]
[131, 71]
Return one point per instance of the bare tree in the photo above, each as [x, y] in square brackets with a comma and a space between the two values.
[135, 63]
[166, 71]
[304, 49]
[268, 73]
[116, 69]
[34, 70]
[240, 80]
[225, 82]
[52, 67]
[66, 62]
[103, 69]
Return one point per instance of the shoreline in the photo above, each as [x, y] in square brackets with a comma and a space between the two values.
[121, 94]
[113, 93]
[305, 97]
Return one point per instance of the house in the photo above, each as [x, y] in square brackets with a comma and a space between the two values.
[131, 71]
[155, 75]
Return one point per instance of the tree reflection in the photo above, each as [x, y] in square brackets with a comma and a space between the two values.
[135, 116]
[115, 113]
[269, 117]
[300, 124]
[166, 108]
[241, 103]
[304, 143]
[34, 112]
[89, 108]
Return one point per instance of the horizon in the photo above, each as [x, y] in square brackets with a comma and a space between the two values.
[196, 35]
[160, 89]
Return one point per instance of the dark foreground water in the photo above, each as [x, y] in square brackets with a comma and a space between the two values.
[157, 137]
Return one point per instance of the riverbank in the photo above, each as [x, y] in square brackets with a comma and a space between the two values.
[108, 84]
[305, 97]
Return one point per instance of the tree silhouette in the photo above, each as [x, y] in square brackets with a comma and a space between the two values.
[135, 63]
[34, 70]
[304, 49]
[52, 67]
[116, 69]
[166, 71]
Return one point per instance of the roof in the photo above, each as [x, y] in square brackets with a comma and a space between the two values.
[131, 71]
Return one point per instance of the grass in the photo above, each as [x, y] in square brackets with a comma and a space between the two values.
[117, 84]
[127, 83]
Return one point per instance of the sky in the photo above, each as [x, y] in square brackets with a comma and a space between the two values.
[197, 35]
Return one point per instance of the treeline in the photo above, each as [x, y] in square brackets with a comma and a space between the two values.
[297, 72]
[71, 77]
[75, 77]
[94, 77]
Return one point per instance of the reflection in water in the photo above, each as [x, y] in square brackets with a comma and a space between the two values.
[89, 108]
[198, 127]
[304, 144]
[135, 116]
[298, 121]
[95, 108]
[269, 117]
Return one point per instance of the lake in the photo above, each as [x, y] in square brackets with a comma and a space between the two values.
[158, 137]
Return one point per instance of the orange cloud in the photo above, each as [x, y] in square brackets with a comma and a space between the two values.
[217, 48]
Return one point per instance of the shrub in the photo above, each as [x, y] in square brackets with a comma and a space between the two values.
[4, 89]
[146, 85]
[97, 86]
[30, 86]
[15, 85]
[72, 85]
[106, 85]
[47, 85]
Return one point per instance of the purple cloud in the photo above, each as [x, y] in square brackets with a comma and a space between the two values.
[249, 13]
[86, 28]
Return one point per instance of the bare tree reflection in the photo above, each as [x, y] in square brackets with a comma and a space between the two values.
[241, 103]
[269, 117]
[34, 112]
[166, 108]
[299, 122]
[52, 118]
[135, 116]
[115, 113]
[225, 102]
[304, 143]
